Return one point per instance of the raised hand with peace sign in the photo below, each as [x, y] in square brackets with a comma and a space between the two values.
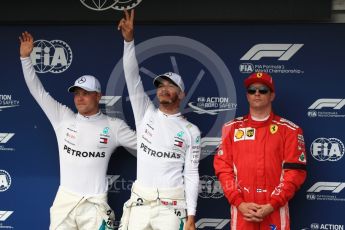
[126, 25]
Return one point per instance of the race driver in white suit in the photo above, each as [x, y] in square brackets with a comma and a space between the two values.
[86, 141]
[164, 195]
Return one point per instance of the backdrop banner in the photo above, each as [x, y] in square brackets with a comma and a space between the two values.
[305, 60]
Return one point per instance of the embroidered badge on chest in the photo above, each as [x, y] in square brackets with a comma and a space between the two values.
[104, 136]
[244, 134]
[273, 129]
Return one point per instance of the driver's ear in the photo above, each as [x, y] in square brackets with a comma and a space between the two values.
[99, 96]
[181, 95]
[273, 95]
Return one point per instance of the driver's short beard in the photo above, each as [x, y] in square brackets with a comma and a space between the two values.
[172, 100]
[165, 102]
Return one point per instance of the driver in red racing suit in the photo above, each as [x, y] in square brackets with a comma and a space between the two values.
[261, 161]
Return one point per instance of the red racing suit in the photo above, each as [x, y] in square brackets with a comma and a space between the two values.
[261, 162]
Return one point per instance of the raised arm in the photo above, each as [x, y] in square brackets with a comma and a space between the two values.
[126, 25]
[54, 110]
[139, 99]
[26, 44]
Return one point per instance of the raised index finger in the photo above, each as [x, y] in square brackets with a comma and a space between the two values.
[127, 15]
[132, 15]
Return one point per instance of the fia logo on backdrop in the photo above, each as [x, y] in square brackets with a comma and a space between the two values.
[209, 187]
[53, 56]
[327, 149]
[5, 180]
[102, 5]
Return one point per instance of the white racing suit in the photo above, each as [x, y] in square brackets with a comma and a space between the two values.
[150, 208]
[168, 153]
[85, 144]
[72, 211]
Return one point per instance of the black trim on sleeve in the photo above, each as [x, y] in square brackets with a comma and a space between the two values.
[294, 166]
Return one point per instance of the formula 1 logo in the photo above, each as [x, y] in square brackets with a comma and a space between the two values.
[327, 107]
[211, 222]
[334, 103]
[102, 5]
[5, 137]
[5, 214]
[51, 56]
[327, 149]
[283, 51]
[5, 180]
[209, 145]
[334, 187]
[109, 100]
[210, 141]
[109, 105]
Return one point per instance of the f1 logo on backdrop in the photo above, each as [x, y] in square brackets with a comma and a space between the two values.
[210, 141]
[327, 107]
[109, 100]
[5, 137]
[327, 149]
[206, 223]
[53, 56]
[334, 187]
[4, 215]
[283, 51]
[334, 103]
[326, 191]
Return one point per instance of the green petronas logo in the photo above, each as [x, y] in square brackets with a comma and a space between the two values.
[302, 157]
[106, 130]
[197, 140]
[180, 134]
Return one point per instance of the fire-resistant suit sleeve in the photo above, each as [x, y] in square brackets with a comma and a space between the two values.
[225, 169]
[126, 136]
[191, 171]
[139, 99]
[53, 109]
[294, 168]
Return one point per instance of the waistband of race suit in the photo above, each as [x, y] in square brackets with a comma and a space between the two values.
[152, 194]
